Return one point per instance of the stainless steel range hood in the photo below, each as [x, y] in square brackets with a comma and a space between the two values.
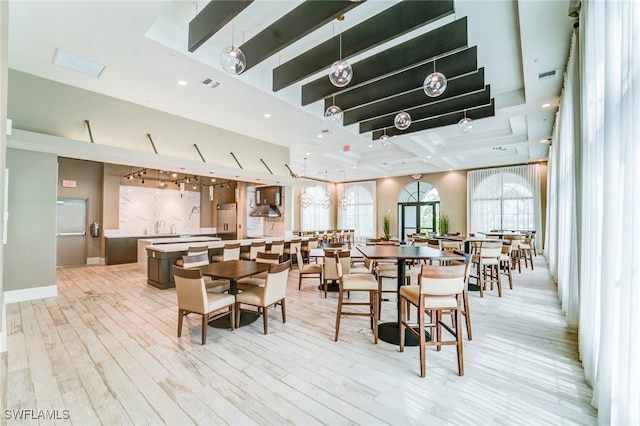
[266, 210]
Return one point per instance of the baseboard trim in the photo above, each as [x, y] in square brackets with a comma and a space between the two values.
[96, 261]
[22, 295]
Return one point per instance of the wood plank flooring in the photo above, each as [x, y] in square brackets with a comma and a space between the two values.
[106, 350]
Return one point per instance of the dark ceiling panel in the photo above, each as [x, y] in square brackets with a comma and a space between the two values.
[445, 120]
[393, 22]
[213, 16]
[455, 87]
[448, 38]
[454, 65]
[296, 24]
[448, 106]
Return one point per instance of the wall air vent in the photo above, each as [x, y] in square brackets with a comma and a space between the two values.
[547, 75]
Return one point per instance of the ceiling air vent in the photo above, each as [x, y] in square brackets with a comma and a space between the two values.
[547, 75]
[210, 83]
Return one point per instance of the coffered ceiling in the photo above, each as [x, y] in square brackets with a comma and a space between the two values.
[492, 52]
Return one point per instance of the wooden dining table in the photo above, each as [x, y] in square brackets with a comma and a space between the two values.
[233, 270]
[390, 331]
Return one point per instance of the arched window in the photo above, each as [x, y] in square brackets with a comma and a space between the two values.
[315, 217]
[418, 209]
[359, 214]
[504, 198]
[416, 192]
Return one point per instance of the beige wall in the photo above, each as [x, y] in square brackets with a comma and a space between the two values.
[451, 186]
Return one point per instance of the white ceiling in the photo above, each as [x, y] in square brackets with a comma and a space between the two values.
[144, 47]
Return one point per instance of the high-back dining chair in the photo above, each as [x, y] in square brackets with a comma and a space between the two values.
[294, 246]
[307, 270]
[440, 290]
[260, 278]
[230, 252]
[487, 262]
[194, 298]
[193, 251]
[273, 292]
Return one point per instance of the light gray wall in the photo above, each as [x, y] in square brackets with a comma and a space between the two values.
[30, 253]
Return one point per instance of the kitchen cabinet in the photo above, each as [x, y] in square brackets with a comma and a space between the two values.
[121, 250]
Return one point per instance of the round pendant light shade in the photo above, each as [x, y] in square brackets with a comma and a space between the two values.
[402, 121]
[333, 114]
[232, 60]
[435, 84]
[384, 140]
[465, 125]
[341, 73]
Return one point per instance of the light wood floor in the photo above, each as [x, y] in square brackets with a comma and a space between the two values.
[106, 350]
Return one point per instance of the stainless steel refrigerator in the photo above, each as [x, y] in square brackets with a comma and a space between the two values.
[227, 221]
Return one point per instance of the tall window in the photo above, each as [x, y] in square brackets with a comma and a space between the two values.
[315, 217]
[504, 198]
[361, 210]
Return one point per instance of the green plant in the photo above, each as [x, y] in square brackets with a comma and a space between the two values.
[386, 225]
[444, 224]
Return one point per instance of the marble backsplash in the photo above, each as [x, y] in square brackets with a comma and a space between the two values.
[150, 211]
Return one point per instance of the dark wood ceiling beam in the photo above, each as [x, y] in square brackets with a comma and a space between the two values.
[459, 103]
[442, 40]
[212, 18]
[391, 23]
[405, 101]
[457, 64]
[445, 120]
[304, 19]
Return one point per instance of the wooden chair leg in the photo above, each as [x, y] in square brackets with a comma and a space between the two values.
[459, 341]
[284, 312]
[438, 329]
[180, 318]
[299, 280]
[338, 314]
[374, 297]
[467, 314]
[238, 313]
[265, 318]
[422, 343]
[401, 327]
[379, 295]
[232, 316]
[480, 278]
[205, 325]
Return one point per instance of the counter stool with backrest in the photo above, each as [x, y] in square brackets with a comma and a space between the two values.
[256, 246]
[193, 251]
[439, 290]
[311, 244]
[526, 251]
[487, 262]
[277, 246]
[230, 252]
[294, 246]
[273, 292]
[330, 272]
[388, 271]
[355, 283]
[194, 298]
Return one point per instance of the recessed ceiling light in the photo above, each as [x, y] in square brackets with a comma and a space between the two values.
[267, 115]
[308, 153]
[210, 83]
[182, 83]
[355, 167]
[319, 136]
[370, 146]
[546, 105]
[428, 156]
[77, 63]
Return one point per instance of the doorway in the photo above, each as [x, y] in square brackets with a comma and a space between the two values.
[71, 231]
[417, 218]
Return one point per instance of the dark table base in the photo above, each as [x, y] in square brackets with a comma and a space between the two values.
[246, 318]
[390, 332]
[331, 287]
[474, 287]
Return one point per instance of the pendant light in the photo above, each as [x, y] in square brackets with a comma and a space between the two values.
[384, 140]
[435, 84]
[326, 200]
[232, 58]
[402, 121]
[333, 114]
[344, 201]
[305, 199]
[341, 71]
[465, 125]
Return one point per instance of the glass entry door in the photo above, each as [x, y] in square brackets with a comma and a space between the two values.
[417, 218]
